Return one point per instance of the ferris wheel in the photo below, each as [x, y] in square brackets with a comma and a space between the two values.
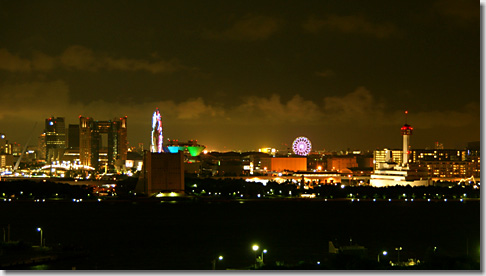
[302, 146]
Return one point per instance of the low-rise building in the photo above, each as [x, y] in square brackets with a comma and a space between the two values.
[281, 164]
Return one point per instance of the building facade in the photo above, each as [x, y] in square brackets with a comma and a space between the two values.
[73, 137]
[162, 173]
[386, 156]
[281, 164]
[102, 143]
[449, 163]
[55, 138]
[341, 163]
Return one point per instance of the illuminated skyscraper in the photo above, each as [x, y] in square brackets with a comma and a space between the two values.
[102, 143]
[73, 137]
[55, 139]
[41, 147]
[4, 148]
[6, 157]
[157, 136]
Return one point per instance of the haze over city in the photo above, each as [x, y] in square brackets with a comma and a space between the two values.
[246, 75]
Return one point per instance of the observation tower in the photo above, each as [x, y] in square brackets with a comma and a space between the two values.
[390, 173]
[406, 131]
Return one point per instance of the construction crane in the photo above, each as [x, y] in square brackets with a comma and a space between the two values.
[25, 148]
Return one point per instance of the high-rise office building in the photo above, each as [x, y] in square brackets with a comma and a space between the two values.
[55, 131]
[73, 137]
[102, 143]
[41, 147]
[6, 157]
[4, 148]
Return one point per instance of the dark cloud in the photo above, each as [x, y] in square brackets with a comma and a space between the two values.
[192, 118]
[352, 24]
[13, 63]
[272, 110]
[325, 73]
[81, 58]
[250, 27]
[462, 10]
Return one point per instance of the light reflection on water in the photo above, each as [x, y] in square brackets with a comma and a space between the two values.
[53, 266]
[40, 267]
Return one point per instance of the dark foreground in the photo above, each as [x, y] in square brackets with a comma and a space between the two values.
[191, 234]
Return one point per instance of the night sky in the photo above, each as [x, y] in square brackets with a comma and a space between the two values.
[240, 75]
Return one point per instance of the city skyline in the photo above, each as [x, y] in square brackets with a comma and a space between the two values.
[242, 76]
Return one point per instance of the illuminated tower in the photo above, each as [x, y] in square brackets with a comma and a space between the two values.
[406, 131]
[157, 137]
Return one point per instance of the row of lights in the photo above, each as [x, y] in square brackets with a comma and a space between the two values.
[389, 200]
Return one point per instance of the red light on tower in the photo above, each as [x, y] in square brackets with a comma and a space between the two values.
[406, 129]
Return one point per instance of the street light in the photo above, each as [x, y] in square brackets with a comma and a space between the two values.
[384, 254]
[398, 249]
[263, 252]
[40, 230]
[214, 262]
[255, 249]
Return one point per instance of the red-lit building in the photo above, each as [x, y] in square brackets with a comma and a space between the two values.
[280, 164]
